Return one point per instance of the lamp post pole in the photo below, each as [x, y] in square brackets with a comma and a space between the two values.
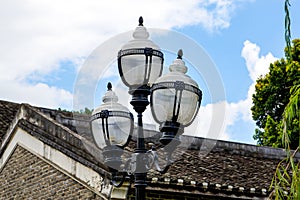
[140, 102]
[140, 175]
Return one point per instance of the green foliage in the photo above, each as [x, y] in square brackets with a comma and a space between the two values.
[62, 110]
[272, 95]
[85, 111]
[286, 181]
[273, 132]
[291, 117]
[287, 24]
[293, 105]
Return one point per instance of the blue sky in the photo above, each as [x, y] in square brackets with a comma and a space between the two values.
[45, 44]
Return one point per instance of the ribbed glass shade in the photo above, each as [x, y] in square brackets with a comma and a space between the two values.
[175, 97]
[140, 61]
[170, 104]
[111, 122]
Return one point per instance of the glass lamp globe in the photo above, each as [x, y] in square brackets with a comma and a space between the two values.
[175, 99]
[111, 122]
[140, 61]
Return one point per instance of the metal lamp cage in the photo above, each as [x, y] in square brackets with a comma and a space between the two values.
[178, 87]
[149, 54]
[104, 116]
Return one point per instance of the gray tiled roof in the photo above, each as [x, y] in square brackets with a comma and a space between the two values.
[8, 112]
[226, 166]
[48, 126]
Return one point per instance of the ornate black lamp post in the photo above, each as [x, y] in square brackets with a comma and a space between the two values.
[175, 99]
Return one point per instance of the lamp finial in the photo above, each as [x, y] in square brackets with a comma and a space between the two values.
[109, 86]
[178, 65]
[141, 21]
[180, 54]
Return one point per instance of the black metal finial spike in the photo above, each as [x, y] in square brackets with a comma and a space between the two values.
[179, 54]
[141, 21]
[109, 86]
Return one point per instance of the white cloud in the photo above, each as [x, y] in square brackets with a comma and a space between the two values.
[256, 65]
[208, 124]
[37, 95]
[52, 30]
[37, 35]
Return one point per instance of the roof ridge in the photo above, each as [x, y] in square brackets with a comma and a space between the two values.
[204, 144]
[36, 109]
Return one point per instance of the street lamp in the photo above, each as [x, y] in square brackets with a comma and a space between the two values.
[111, 124]
[140, 61]
[175, 100]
